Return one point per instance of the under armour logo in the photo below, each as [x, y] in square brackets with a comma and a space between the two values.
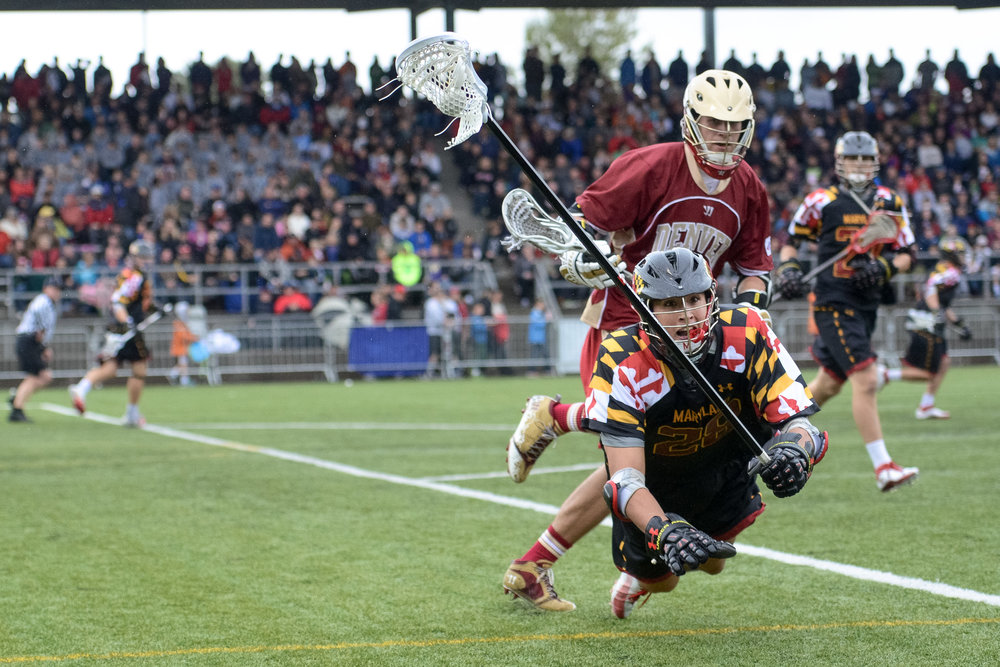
[708, 210]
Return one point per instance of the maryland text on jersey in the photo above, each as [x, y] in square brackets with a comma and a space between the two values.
[635, 395]
[808, 220]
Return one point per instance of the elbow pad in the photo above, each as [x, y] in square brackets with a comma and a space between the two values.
[619, 489]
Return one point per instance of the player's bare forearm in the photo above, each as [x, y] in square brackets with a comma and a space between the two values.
[788, 251]
[902, 261]
[120, 313]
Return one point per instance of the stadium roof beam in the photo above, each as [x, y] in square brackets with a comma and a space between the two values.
[417, 7]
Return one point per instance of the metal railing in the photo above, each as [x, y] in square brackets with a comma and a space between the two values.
[295, 345]
[237, 287]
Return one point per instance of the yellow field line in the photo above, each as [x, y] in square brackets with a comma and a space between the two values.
[424, 643]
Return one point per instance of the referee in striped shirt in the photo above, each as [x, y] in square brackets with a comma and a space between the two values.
[33, 352]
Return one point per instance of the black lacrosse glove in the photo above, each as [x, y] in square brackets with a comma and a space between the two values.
[789, 280]
[790, 467]
[940, 323]
[118, 328]
[681, 546]
[869, 273]
[964, 332]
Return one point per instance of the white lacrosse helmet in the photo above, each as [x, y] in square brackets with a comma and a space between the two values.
[725, 97]
[675, 274]
[856, 160]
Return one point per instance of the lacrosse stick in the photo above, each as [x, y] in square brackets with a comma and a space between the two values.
[440, 68]
[115, 342]
[882, 227]
[528, 223]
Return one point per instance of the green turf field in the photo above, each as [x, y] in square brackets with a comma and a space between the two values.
[319, 524]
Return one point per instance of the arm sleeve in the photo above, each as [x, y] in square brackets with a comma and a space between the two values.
[805, 224]
[777, 387]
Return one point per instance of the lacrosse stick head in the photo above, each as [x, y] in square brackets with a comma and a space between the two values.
[528, 223]
[440, 68]
[882, 228]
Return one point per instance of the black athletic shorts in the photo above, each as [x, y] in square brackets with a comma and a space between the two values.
[844, 343]
[29, 354]
[925, 351]
[735, 504]
[134, 349]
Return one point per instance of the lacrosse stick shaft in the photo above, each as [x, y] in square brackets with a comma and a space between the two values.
[139, 328]
[680, 358]
[839, 256]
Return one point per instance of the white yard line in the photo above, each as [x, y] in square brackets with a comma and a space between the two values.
[854, 572]
[495, 475]
[344, 426]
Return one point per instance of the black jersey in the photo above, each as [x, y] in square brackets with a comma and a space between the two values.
[133, 292]
[637, 397]
[943, 281]
[830, 217]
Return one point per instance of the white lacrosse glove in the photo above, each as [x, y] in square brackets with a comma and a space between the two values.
[112, 344]
[579, 267]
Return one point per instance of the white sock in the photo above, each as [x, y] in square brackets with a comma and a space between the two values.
[926, 401]
[83, 386]
[894, 374]
[878, 453]
[132, 410]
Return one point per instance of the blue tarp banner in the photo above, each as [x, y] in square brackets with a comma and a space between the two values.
[388, 351]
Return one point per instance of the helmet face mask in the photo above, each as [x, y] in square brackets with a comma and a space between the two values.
[856, 160]
[680, 291]
[953, 251]
[718, 120]
[142, 251]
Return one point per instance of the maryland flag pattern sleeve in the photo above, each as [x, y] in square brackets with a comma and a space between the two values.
[133, 292]
[637, 397]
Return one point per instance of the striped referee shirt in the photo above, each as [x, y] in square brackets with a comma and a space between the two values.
[40, 316]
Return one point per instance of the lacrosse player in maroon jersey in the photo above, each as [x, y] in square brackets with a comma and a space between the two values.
[131, 302]
[678, 487]
[697, 194]
[848, 293]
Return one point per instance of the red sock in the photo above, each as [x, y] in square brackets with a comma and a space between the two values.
[550, 546]
[568, 416]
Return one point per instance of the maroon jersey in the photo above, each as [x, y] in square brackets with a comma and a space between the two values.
[650, 194]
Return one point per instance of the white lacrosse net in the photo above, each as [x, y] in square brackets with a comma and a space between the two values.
[440, 68]
[528, 223]
[882, 227]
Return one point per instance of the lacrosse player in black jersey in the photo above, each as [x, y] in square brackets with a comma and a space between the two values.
[678, 483]
[131, 302]
[926, 358]
[848, 292]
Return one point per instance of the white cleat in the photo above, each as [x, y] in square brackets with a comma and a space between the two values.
[625, 593]
[77, 398]
[932, 413]
[890, 476]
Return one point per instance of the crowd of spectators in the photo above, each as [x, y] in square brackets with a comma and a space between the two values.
[289, 169]
[939, 135]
